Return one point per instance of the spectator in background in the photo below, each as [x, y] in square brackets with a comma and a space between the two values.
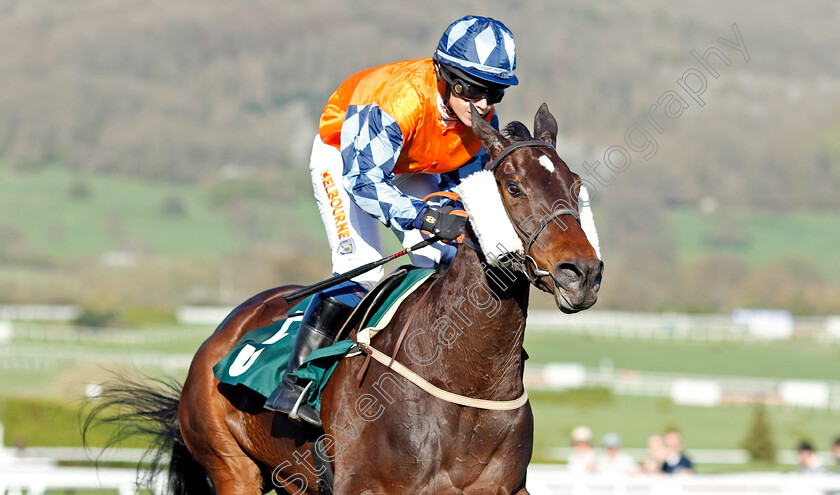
[835, 451]
[655, 455]
[676, 462]
[582, 458]
[808, 460]
[613, 461]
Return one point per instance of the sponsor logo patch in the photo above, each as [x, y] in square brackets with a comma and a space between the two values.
[337, 206]
[346, 246]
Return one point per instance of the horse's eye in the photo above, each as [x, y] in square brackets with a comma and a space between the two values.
[513, 189]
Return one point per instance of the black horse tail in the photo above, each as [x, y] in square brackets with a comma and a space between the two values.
[148, 408]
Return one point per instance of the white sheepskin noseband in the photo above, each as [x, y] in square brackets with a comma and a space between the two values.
[496, 235]
[489, 219]
[587, 220]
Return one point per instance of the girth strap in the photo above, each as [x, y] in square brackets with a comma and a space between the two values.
[321, 462]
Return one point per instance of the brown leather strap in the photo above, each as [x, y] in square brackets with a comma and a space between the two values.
[361, 375]
[409, 320]
[515, 146]
[532, 238]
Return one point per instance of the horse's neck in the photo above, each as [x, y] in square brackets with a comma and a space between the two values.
[489, 306]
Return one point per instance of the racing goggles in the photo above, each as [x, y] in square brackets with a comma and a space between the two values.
[473, 92]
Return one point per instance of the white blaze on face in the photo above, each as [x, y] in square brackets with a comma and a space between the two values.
[546, 162]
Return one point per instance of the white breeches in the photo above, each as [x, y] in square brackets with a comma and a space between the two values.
[353, 235]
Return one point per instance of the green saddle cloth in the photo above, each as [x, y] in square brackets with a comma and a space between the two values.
[259, 358]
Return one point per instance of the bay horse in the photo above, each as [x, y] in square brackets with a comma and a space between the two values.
[383, 435]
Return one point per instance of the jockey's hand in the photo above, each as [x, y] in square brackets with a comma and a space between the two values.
[441, 222]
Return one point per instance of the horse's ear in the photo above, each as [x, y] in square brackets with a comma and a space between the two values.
[493, 140]
[545, 126]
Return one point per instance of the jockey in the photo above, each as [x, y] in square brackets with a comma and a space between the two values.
[389, 136]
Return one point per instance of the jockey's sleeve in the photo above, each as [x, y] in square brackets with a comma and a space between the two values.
[450, 180]
[371, 141]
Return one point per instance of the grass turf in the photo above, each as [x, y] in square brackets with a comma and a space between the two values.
[786, 359]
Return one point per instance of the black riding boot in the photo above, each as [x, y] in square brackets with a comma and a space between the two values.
[320, 324]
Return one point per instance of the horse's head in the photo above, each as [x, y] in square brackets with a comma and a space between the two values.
[540, 195]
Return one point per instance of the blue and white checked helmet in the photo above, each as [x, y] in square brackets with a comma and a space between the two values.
[480, 46]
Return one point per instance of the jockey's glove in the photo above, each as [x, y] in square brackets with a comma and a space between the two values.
[441, 222]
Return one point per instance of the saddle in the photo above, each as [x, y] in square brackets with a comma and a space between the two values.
[258, 360]
[371, 302]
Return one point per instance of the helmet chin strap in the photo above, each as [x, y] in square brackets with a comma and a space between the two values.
[452, 114]
[447, 93]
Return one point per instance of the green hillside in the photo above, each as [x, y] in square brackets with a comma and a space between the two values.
[60, 214]
[65, 214]
[761, 239]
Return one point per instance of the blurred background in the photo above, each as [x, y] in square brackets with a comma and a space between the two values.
[153, 159]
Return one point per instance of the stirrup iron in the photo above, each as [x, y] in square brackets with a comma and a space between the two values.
[293, 414]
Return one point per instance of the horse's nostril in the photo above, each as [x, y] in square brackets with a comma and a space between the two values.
[596, 285]
[567, 273]
[572, 274]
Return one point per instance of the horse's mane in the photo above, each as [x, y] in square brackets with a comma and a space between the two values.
[517, 131]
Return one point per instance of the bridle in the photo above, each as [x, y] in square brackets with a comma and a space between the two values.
[529, 265]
